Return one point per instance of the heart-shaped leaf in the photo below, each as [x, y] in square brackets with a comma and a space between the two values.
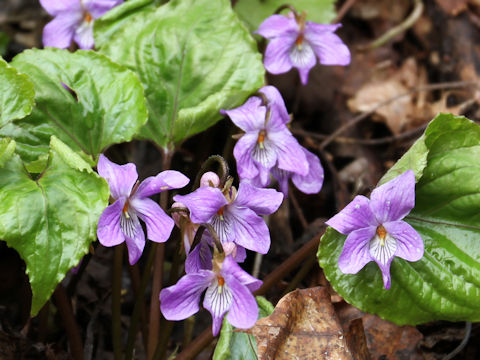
[194, 57]
[50, 220]
[445, 283]
[82, 98]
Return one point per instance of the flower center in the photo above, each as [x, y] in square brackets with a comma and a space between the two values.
[88, 17]
[382, 234]
[299, 41]
[125, 210]
[220, 213]
[261, 139]
[221, 282]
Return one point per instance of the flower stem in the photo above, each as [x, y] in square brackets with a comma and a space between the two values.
[159, 249]
[116, 302]
[66, 313]
[132, 332]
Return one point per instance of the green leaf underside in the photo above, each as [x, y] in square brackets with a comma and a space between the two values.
[239, 345]
[52, 220]
[107, 105]
[445, 283]
[253, 12]
[16, 94]
[194, 57]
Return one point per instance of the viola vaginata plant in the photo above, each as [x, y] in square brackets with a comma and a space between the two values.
[120, 221]
[375, 228]
[73, 20]
[163, 72]
[295, 42]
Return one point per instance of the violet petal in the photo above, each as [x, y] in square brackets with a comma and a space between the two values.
[355, 254]
[159, 224]
[109, 232]
[277, 55]
[217, 301]
[203, 203]
[120, 178]
[250, 116]
[355, 215]
[261, 201]
[200, 258]
[54, 7]
[59, 32]
[243, 312]
[313, 181]
[246, 167]
[230, 267]
[328, 46]
[278, 111]
[409, 242]
[393, 200]
[250, 231]
[84, 35]
[181, 300]
[277, 25]
[97, 8]
[135, 242]
[290, 154]
[166, 180]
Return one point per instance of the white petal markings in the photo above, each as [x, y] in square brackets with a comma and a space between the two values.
[382, 250]
[219, 298]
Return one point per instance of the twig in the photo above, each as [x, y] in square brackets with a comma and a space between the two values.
[66, 313]
[343, 10]
[298, 209]
[456, 351]
[304, 270]
[371, 142]
[405, 25]
[357, 119]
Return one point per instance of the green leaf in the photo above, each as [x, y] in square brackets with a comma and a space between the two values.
[17, 94]
[445, 283]
[194, 57]
[239, 345]
[50, 220]
[106, 106]
[253, 12]
[109, 25]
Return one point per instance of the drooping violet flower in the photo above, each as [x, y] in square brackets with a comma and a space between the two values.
[375, 228]
[229, 289]
[73, 20]
[235, 216]
[297, 43]
[119, 222]
[269, 147]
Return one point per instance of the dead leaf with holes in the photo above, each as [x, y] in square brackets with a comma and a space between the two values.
[304, 326]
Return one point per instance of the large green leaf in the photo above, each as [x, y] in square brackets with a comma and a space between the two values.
[50, 220]
[234, 345]
[253, 12]
[445, 283]
[194, 57]
[107, 105]
[16, 94]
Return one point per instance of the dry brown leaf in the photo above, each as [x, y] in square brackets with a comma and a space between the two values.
[397, 114]
[304, 326]
[385, 340]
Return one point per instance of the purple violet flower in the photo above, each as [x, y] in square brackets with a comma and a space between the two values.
[119, 222]
[229, 289]
[375, 228]
[297, 43]
[73, 20]
[235, 216]
[269, 146]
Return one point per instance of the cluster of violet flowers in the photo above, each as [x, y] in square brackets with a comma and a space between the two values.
[220, 222]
